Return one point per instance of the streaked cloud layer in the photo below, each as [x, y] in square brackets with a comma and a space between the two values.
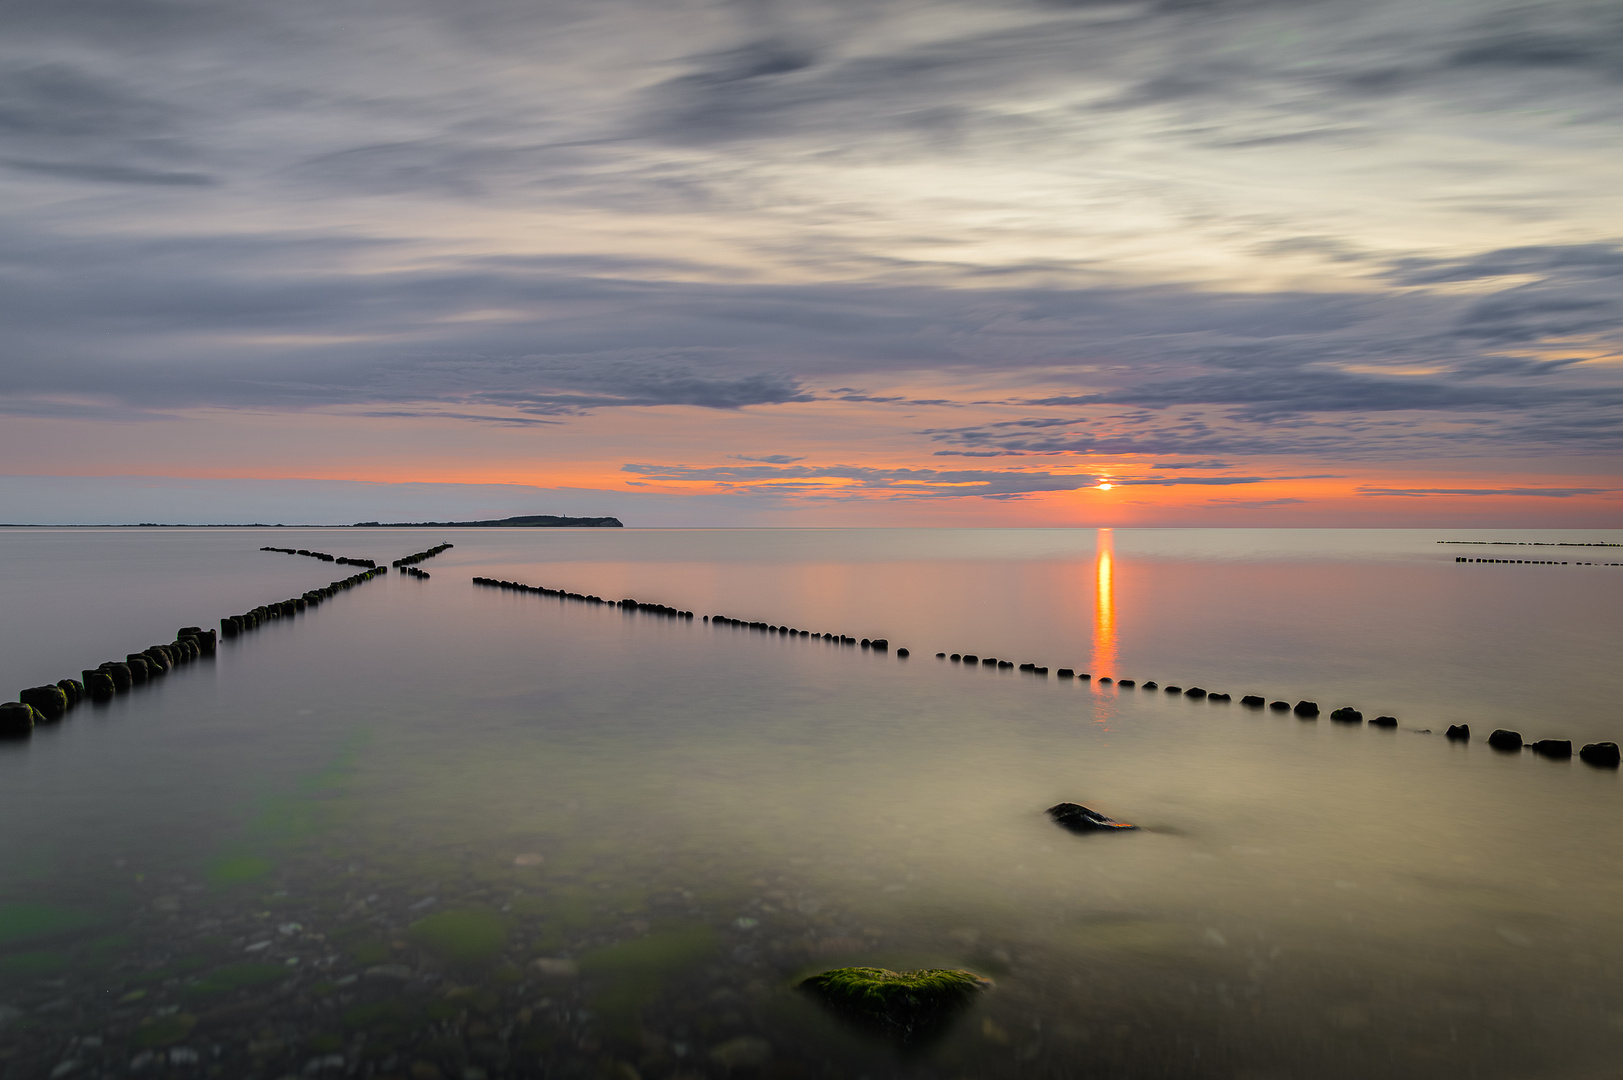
[801, 261]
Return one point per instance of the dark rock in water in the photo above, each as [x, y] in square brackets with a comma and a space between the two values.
[1560, 748]
[1194, 692]
[51, 702]
[1065, 673]
[1027, 667]
[910, 1006]
[1505, 740]
[1084, 675]
[1005, 664]
[1104, 679]
[1174, 689]
[1151, 685]
[1280, 706]
[971, 658]
[1079, 819]
[1253, 701]
[1039, 670]
[902, 654]
[1459, 732]
[100, 685]
[1306, 708]
[940, 656]
[882, 644]
[1219, 698]
[1602, 755]
[1125, 682]
[138, 668]
[1384, 721]
[74, 689]
[988, 661]
[1348, 715]
[16, 718]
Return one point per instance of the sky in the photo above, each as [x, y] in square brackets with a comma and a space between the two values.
[823, 263]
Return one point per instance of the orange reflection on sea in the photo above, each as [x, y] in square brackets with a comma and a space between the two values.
[1104, 606]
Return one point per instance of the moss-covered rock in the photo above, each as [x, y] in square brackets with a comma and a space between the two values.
[907, 1005]
[100, 685]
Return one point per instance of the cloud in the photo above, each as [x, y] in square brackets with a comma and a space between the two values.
[846, 482]
[1547, 493]
[1043, 216]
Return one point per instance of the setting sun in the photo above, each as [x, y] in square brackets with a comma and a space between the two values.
[1106, 486]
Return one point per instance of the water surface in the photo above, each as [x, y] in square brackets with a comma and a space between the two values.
[343, 845]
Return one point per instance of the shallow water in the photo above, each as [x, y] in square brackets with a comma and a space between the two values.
[341, 846]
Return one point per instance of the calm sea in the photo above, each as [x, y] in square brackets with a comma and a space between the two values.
[432, 829]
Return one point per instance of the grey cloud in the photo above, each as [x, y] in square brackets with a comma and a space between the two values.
[1548, 493]
[1255, 504]
[108, 174]
[770, 459]
[500, 421]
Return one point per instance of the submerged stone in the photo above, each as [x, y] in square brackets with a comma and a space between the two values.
[1307, 708]
[1079, 819]
[905, 1005]
[1348, 715]
[1384, 721]
[1151, 685]
[1253, 700]
[1559, 748]
[1458, 732]
[1280, 706]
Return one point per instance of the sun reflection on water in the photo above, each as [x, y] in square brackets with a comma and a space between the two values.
[1104, 607]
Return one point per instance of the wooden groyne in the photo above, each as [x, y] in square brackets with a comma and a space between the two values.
[48, 704]
[1601, 755]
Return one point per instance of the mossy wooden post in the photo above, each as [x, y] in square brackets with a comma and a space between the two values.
[16, 719]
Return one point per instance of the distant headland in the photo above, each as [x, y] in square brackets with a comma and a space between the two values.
[531, 521]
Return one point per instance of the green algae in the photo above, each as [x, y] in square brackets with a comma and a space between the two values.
[27, 922]
[238, 869]
[235, 977]
[164, 1030]
[464, 935]
[34, 964]
[632, 974]
[912, 1006]
[371, 951]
